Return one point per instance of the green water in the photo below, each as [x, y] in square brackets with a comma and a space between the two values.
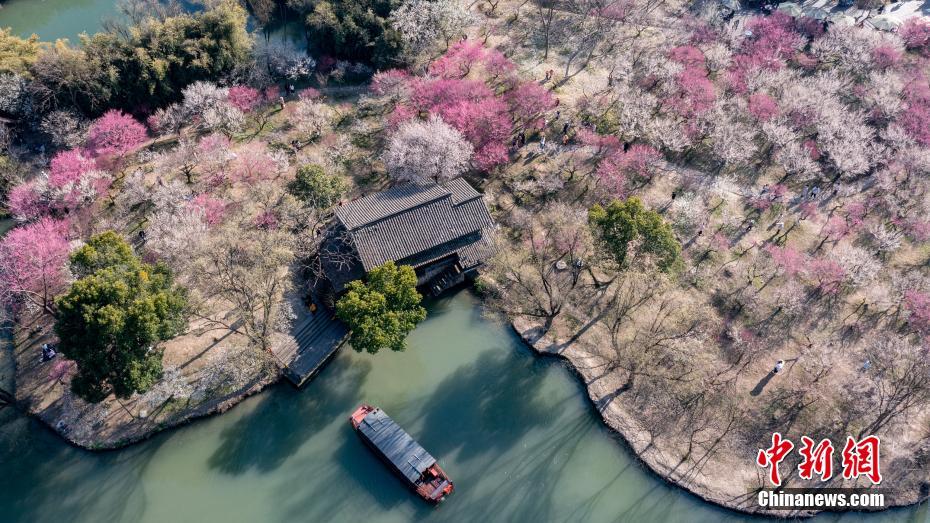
[513, 430]
[52, 19]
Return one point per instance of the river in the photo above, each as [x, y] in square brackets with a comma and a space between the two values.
[512, 429]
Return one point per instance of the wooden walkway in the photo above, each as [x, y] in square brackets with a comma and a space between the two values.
[316, 338]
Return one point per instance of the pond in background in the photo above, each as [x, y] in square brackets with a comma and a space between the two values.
[53, 19]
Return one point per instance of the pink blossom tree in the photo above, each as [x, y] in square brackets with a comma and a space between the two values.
[762, 107]
[33, 263]
[26, 202]
[917, 305]
[915, 119]
[245, 98]
[915, 33]
[771, 40]
[696, 92]
[528, 101]
[68, 167]
[255, 163]
[486, 125]
[214, 209]
[828, 274]
[618, 168]
[886, 56]
[61, 370]
[114, 135]
[788, 260]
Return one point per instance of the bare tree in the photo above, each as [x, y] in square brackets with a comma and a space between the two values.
[247, 264]
[899, 371]
[539, 275]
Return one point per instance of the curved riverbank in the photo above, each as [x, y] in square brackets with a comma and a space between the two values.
[513, 430]
[721, 488]
[201, 378]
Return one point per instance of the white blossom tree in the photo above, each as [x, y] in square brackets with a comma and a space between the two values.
[427, 151]
[311, 118]
[66, 129]
[283, 60]
[424, 23]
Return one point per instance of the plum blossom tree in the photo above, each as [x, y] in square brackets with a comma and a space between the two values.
[27, 201]
[172, 235]
[788, 260]
[256, 163]
[214, 209]
[528, 101]
[311, 118]
[827, 274]
[427, 151]
[283, 60]
[475, 90]
[208, 106]
[114, 135]
[168, 120]
[33, 263]
[762, 106]
[422, 24]
[619, 168]
[915, 32]
[65, 128]
[917, 305]
[68, 167]
[245, 98]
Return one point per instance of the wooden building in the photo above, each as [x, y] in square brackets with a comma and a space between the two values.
[443, 231]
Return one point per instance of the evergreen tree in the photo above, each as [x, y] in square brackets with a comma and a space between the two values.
[383, 311]
[111, 319]
[624, 222]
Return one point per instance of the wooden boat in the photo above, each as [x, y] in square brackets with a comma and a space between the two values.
[399, 450]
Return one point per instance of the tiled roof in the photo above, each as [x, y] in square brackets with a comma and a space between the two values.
[410, 219]
[461, 191]
[413, 224]
[382, 204]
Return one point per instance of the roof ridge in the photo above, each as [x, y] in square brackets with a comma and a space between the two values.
[447, 194]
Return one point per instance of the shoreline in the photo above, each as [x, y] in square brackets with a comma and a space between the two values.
[115, 424]
[201, 411]
[614, 417]
[619, 421]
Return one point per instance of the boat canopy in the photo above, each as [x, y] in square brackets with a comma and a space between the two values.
[396, 445]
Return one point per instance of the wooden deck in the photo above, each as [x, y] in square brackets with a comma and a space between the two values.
[316, 338]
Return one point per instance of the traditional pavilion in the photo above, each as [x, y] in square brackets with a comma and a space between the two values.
[443, 231]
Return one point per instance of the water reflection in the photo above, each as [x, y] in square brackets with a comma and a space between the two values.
[265, 438]
[515, 432]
